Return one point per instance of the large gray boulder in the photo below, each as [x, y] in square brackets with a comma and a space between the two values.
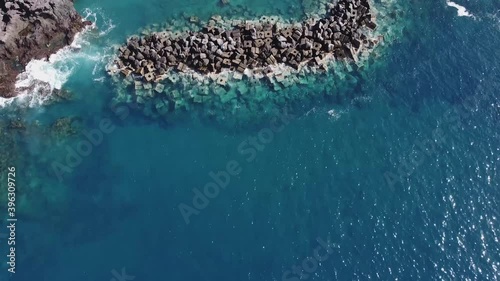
[32, 29]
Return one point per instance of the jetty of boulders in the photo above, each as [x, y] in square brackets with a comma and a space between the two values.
[341, 33]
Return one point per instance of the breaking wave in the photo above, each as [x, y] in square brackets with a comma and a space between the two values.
[42, 77]
[461, 10]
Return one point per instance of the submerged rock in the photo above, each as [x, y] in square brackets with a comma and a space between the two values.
[234, 66]
[33, 29]
[341, 34]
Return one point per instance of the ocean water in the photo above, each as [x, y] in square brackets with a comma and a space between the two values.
[394, 165]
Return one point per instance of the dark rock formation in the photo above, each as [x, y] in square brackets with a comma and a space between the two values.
[33, 29]
[341, 32]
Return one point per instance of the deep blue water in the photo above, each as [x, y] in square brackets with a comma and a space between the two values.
[402, 180]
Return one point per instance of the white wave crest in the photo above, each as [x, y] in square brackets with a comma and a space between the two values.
[461, 10]
[42, 77]
[95, 17]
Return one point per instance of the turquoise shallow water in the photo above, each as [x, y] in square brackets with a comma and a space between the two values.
[401, 177]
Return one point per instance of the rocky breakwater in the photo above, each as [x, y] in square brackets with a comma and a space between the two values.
[251, 45]
[33, 29]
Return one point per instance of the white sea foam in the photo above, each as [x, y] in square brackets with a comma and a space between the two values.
[495, 17]
[461, 10]
[335, 114]
[5, 102]
[41, 77]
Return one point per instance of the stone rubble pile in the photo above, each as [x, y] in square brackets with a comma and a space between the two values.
[341, 33]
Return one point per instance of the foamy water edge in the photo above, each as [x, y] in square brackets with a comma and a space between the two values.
[461, 10]
[42, 77]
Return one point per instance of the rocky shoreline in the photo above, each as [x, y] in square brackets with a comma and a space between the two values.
[33, 29]
[255, 46]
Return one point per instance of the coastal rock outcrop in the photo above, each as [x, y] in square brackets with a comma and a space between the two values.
[33, 29]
